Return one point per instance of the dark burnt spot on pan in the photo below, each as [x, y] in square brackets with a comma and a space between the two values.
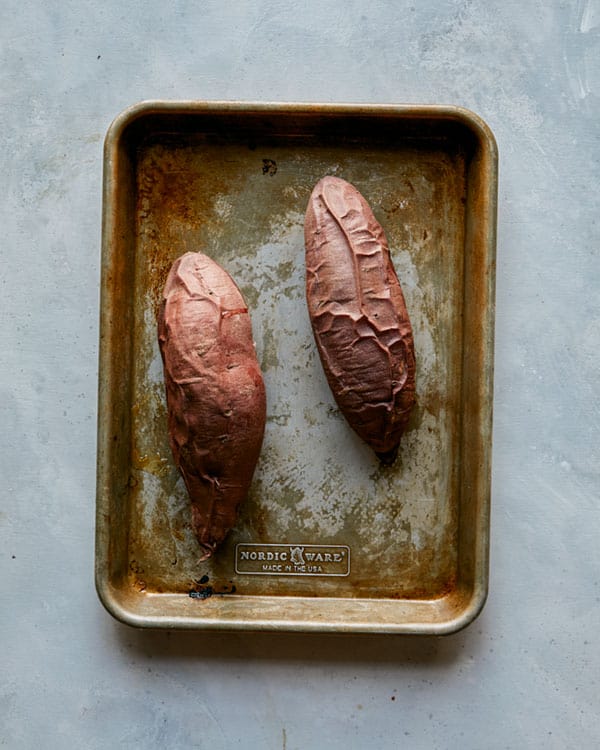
[203, 591]
[269, 167]
[135, 567]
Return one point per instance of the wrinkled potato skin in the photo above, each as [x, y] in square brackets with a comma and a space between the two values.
[358, 315]
[215, 392]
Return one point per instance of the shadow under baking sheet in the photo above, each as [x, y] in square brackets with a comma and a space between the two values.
[397, 651]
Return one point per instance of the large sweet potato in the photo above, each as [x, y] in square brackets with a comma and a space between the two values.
[215, 392]
[358, 314]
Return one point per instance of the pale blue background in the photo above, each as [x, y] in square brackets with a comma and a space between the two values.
[526, 674]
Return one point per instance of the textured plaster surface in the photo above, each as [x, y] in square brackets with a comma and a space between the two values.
[525, 674]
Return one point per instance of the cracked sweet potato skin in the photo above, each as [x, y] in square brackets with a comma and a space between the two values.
[215, 392]
[358, 315]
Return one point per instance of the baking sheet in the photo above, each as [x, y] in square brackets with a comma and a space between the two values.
[328, 538]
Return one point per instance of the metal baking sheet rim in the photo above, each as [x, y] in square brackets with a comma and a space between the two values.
[440, 616]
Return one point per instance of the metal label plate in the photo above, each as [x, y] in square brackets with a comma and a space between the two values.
[292, 559]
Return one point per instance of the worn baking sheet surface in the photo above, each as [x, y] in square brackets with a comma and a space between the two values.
[359, 546]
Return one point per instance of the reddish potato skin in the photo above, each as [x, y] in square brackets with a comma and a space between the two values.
[215, 392]
[358, 315]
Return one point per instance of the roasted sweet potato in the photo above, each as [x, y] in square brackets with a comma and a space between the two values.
[215, 392]
[358, 315]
